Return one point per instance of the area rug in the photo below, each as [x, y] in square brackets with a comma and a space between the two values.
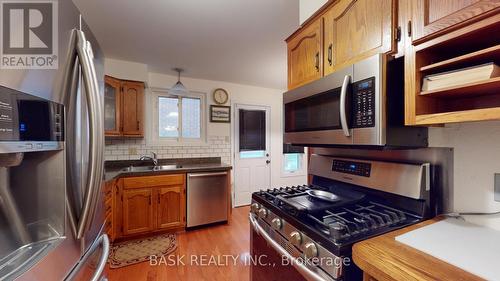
[140, 250]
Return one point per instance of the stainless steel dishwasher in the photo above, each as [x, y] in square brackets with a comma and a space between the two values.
[207, 198]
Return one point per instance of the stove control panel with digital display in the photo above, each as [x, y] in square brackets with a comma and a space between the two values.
[351, 167]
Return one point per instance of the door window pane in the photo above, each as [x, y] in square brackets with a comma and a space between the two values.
[252, 154]
[168, 114]
[191, 118]
[252, 130]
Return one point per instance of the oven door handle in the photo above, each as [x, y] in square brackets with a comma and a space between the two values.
[301, 268]
[343, 105]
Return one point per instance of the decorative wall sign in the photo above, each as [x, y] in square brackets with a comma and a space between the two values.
[220, 114]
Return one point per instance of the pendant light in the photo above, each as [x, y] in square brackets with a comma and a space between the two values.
[178, 88]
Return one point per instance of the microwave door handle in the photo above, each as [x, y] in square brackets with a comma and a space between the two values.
[343, 101]
[94, 135]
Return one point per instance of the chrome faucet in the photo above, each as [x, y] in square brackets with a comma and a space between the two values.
[153, 159]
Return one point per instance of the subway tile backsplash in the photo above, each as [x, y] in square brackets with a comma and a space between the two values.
[133, 149]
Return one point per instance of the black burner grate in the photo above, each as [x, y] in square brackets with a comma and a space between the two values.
[341, 223]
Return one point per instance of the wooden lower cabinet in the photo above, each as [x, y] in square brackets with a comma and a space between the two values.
[138, 211]
[171, 207]
[149, 204]
[367, 277]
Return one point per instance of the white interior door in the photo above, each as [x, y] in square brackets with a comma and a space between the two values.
[252, 168]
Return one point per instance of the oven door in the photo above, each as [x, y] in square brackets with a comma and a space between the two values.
[319, 113]
[271, 261]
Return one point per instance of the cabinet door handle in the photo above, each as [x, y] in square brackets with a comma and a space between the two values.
[149, 200]
[398, 34]
[138, 125]
[409, 28]
[330, 54]
[317, 61]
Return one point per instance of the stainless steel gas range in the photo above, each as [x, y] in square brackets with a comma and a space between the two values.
[307, 232]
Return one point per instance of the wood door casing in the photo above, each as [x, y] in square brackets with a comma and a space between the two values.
[432, 18]
[171, 207]
[305, 57]
[112, 84]
[132, 104]
[138, 211]
[361, 28]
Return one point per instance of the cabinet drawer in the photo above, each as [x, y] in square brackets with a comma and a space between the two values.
[150, 181]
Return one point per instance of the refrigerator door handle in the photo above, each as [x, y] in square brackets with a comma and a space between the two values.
[104, 258]
[95, 134]
[75, 275]
[69, 88]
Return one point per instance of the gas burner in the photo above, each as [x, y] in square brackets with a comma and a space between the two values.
[356, 219]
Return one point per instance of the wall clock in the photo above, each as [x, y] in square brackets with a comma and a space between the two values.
[220, 96]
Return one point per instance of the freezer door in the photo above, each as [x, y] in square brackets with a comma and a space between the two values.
[91, 266]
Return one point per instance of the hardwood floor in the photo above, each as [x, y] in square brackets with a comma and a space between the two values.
[199, 249]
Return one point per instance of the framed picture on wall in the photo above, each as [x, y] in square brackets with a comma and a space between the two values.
[220, 114]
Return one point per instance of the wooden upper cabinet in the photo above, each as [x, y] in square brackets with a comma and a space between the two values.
[138, 211]
[328, 66]
[305, 55]
[171, 204]
[123, 108]
[432, 18]
[402, 35]
[112, 106]
[361, 28]
[133, 97]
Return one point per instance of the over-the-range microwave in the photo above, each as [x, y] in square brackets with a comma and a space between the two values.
[359, 105]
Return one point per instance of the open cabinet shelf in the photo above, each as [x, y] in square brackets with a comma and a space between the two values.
[476, 58]
[474, 101]
[485, 87]
[458, 116]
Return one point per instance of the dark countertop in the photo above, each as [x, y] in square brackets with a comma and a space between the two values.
[111, 173]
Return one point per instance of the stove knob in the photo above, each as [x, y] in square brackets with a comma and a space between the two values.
[263, 213]
[295, 238]
[311, 251]
[277, 223]
[255, 208]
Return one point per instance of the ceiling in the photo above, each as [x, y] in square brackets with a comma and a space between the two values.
[238, 41]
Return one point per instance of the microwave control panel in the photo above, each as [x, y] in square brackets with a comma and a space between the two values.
[363, 98]
[351, 167]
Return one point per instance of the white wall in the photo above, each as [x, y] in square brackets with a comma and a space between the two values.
[126, 70]
[309, 7]
[476, 160]
[219, 134]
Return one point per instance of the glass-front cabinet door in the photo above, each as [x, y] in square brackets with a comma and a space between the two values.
[112, 101]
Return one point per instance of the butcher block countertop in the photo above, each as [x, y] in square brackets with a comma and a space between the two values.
[385, 259]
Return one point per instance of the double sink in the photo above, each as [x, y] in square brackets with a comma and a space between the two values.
[151, 168]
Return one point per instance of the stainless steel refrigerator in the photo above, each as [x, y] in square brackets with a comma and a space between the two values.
[57, 190]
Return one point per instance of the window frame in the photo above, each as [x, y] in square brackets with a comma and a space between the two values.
[153, 120]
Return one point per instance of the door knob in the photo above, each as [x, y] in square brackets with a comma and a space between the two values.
[268, 161]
